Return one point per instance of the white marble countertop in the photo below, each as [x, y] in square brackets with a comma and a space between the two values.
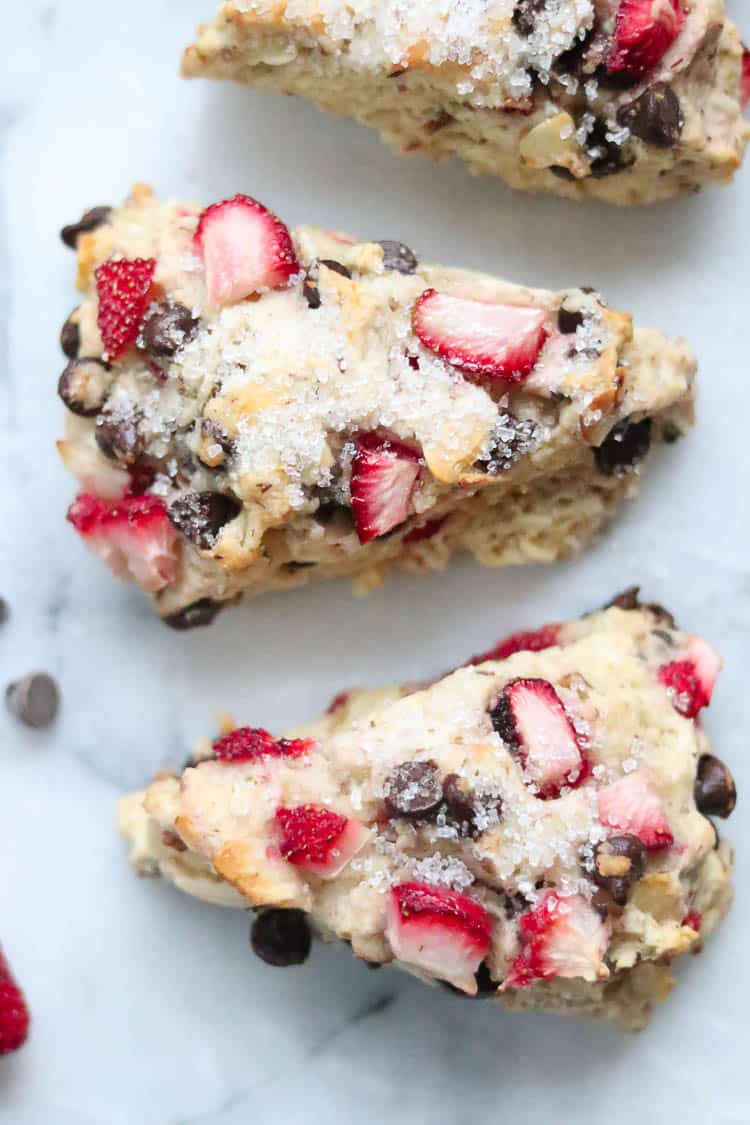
[149, 1009]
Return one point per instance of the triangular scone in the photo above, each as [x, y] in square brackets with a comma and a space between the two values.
[619, 100]
[252, 409]
[532, 826]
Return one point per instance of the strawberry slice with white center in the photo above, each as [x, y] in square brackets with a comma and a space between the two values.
[133, 536]
[317, 840]
[633, 805]
[644, 32]
[745, 78]
[532, 720]
[479, 337]
[384, 476]
[245, 249]
[691, 680]
[441, 932]
[562, 937]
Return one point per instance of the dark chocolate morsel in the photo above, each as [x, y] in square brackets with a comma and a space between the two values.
[503, 723]
[568, 320]
[397, 256]
[89, 221]
[200, 516]
[84, 385]
[561, 172]
[120, 438]
[281, 937]
[654, 117]
[619, 862]
[624, 447]
[194, 616]
[70, 337]
[167, 327]
[715, 792]
[413, 789]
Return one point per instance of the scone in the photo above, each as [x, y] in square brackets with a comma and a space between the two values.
[534, 827]
[629, 101]
[251, 408]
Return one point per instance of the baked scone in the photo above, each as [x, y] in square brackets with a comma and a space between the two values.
[628, 101]
[252, 408]
[533, 827]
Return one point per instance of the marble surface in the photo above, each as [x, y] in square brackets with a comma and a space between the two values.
[149, 1008]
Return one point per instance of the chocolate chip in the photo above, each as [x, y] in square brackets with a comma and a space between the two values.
[569, 320]
[413, 789]
[715, 792]
[624, 447]
[309, 285]
[524, 16]
[561, 172]
[217, 435]
[195, 616]
[89, 221]
[655, 117]
[172, 840]
[120, 437]
[35, 700]
[629, 600]
[337, 267]
[618, 863]
[511, 439]
[470, 813]
[84, 385]
[606, 157]
[440, 121]
[70, 337]
[397, 256]
[167, 327]
[200, 516]
[281, 937]
[503, 723]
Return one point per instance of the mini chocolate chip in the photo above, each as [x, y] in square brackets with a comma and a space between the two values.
[624, 447]
[200, 516]
[607, 157]
[337, 267]
[619, 862]
[413, 789]
[217, 435]
[561, 172]
[655, 117]
[84, 385]
[511, 439]
[120, 437]
[569, 320]
[89, 221]
[70, 337]
[629, 600]
[310, 287]
[465, 810]
[35, 700]
[195, 616]
[167, 327]
[397, 256]
[503, 723]
[172, 840]
[715, 792]
[281, 937]
[524, 16]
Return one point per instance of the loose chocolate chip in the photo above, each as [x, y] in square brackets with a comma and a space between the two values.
[84, 385]
[569, 320]
[524, 16]
[715, 791]
[503, 723]
[309, 286]
[195, 616]
[413, 789]
[624, 447]
[200, 516]
[397, 256]
[70, 337]
[561, 172]
[35, 700]
[606, 157]
[167, 327]
[655, 117]
[281, 937]
[618, 863]
[88, 222]
[120, 437]
[470, 813]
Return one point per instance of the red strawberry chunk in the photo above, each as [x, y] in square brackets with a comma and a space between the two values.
[644, 32]
[384, 476]
[545, 737]
[694, 920]
[633, 805]
[132, 535]
[245, 249]
[537, 641]
[691, 681]
[318, 840]
[745, 78]
[14, 1015]
[338, 702]
[562, 937]
[495, 341]
[441, 932]
[124, 291]
[249, 744]
[427, 531]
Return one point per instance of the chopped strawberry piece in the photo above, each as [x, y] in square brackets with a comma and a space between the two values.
[384, 476]
[133, 536]
[495, 341]
[694, 920]
[530, 717]
[444, 933]
[426, 531]
[644, 32]
[14, 1015]
[318, 840]
[248, 744]
[691, 681]
[124, 290]
[633, 805]
[537, 641]
[562, 937]
[745, 78]
[245, 248]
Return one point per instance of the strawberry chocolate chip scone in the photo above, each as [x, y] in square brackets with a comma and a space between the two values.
[251, 408]
[534, 827]
[629, 101]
